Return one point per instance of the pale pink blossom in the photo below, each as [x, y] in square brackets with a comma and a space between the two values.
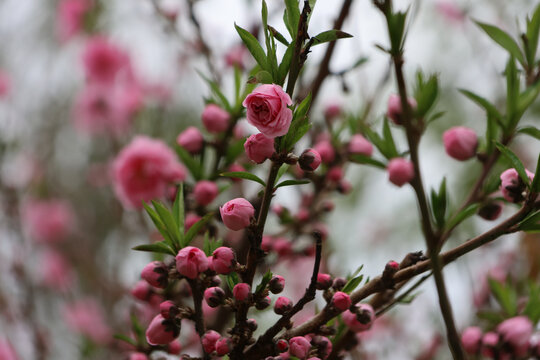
[70, 17]
[86, 318]
[48, 221]
[267, 110]
[103, 61]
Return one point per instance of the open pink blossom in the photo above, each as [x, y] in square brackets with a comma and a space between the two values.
[86, 318]
[191, 261]
[70, 17]
[143, 170]
[48, 221]
[267, 110]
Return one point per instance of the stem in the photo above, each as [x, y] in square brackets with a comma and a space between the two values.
[298, 56]
[197, 304]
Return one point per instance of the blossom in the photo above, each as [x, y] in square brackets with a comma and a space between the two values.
[267, 110]
[191, 261]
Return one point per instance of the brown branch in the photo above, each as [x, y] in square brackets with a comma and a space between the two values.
[299, 56]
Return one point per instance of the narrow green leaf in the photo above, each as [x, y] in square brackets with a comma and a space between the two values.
[191, 162]
[232, 279]
[464, 214]
[291, 17]
[533, 29]
[285, 65]
[426, 93]
[363, 159]
[292, 182]
[254, 47]
[352, 284]
[531, 131]
[490, 108]
[516, 163]
[512, 93]
[125, 338]
[504, 40]
[222, 99]
[532, 309]
[158, 223]
[178, 209]
[535, 186]
[243, 175]
[527, 97]
[159, 247]
[264, 281]
[282, 170]
[389, 140]
[168, 220]
[531, 223]
[262, 77]
[195, 229]
[330, 35]
[438, 204]
[505, 296]
[278, 36]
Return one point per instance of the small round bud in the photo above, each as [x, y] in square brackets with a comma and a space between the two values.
[460, 143]
[276, 284]
[394, 111]
[141, 290]
[251, 324]
[490, 211]
[214, 296]
[341, 301]
[209, 340]
[205, 192]
[339, 283]
[335, 174]
[299, 346]
[237, 213]
[470, 339]
[324, 281]
[223, 346]
[259, 148]
[309, 160]
[512, 186]
[263, 303]
[215, 119]
[191, 140]
[156, 274]
[241, 291]
[489, 343]
[223, 260]
[191, 261]
[361, 319]
[392, 265]
[282, 345]
[400, 171]
[325, 150]
[359, 145]
[161, 331]
[282, 305]
[168, 309]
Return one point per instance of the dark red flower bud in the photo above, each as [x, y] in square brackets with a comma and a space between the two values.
[276, 284]
[324, 281]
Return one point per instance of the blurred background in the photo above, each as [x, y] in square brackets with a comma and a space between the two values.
[66, 268]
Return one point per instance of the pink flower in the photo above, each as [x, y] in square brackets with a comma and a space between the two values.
[191, 219]
[161, 331]
[299, 346]
[332, 111]
[325, 150]
[191, 261]
[141, 290]
[70, 17]
[156, 274]
[6, 351]
[223, 346]
[309, 160]
[400, 171]
[450, 11]
[235, 56]
[512, 186]
[241, 291]
[361, 319]
[209, 340]
[191, 140]
[143, 170]
[267, 110]
[471, 338]
[489, 342]
[48, 221]
[460, 142]
[341, 301]
[205, 192]
[516, 331]
[394, 108]
[259, 148]
[137, 356]
[237, 213]
[86, 318]
[103, 61]
[214, 296]
[282, 247]
[282, 305]
[223, 260]
[215, 119]
[55, 271]
[360, 145]
[335, 174]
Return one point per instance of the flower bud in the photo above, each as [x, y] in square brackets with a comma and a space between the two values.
[341, 301]
[326, 151]
[339, 283]
[282, 345]
[215, 119]
[490, 211]
[344, 187]
[237, 213]
[359, 145]
[400, 171]
[309, 160]
[512, 186]
[223, 260]
[276, 284]
[470, 339]
[162, 331]
[324, 281]
[168, 309]
[241, 291]
[259, 148]
[191, 219]
[156, 274]
[251, 324]
[332, 111]
[394, 111]
[516, 331]
[174, 348]
[138, 356]
[191, 261]
[266, 243]
[299, 346]
[191, 140]
[223, 346]
[141, 290]
[393, 265]
[282, 305]
[335, 174]
[209, 340]
[214, 296]
[323, 344]
[282, 247]
[460, 143]
[205, 192]
[263, 303]
[366, 314]
[489, 342]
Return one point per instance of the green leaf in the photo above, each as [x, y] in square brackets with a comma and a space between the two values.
[330, 35]
[533, 28]
[505, 295]
[396, 29]
[178, 208]
[461, 216]
[168, 220]
[299, 126]
[191, 162]
[426, 93]
[292, 182]
[278, 36]
[195, 229]
[516, 163]
[490, 108]
[439, 203]
[262, 77]
[254, 48]
[291, 17]
[352, 284]
[234, 150]
[264, 281]
[504, 40]
[389, 140]
[531, 131]
[243, 175]
[282, 170]
[210, 245]
[363, 159]
[512, 93]
[222, 99]
[159, 224]
[125, 338]
[535, 186]
[532, 309]
[527, 97]
[138, 329]
[531, 223]
[159, 247]
[232, 279]
[285, 65]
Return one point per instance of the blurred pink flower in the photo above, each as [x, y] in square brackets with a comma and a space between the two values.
[48, 221]
[143, 169]
[103, 61]
[450, 11]
[86, 318]
[56, 272]
[5, 83]
[70, 17]
[6, 351]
